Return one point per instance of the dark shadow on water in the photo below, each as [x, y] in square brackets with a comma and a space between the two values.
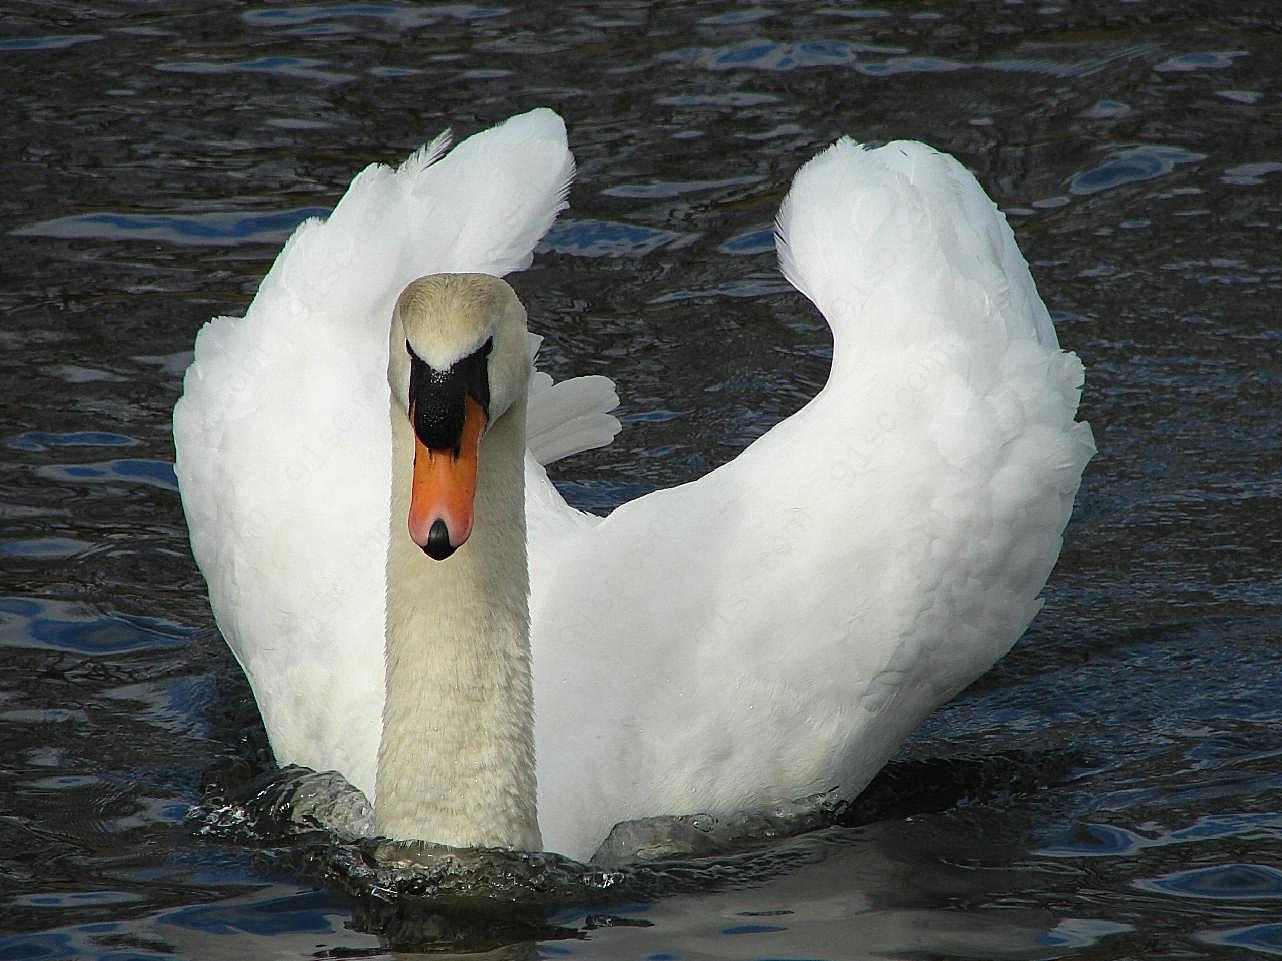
[508, 930]
[426, 897]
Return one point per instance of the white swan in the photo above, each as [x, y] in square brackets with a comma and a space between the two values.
[772, 630]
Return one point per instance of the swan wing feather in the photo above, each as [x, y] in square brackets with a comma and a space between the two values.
[570, 416]
[855, 566]
[282, 433]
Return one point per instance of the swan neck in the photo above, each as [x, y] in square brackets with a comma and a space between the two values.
[456, 762]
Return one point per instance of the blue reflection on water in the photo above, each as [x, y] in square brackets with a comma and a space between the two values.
[750, 15]
[56, 42]
[35, 440]
[78, 898]
[753, 286]
[727, 100]
[293, 913]
[58, 625]
[43, 547]
[402, 16]
[1264, 824]
[394, 72]
[297, 68]
[1108, 109]
[757, 242]
[234, 922]
[604, 238]
[1104, 840]
[1096, 840]
[205, 229]
[1130, 166]
[761, 54]
[36, 947]
[1222, 881]
[1251, 174]
[675, 188]
[1200, 60]
[154, 473]
[753, 929]
[1081, 932]
[1260, 937]
[897, 65]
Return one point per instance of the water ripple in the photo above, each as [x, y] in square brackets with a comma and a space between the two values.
[735, 17]
[150, 172]
[675, 188]
[1130, 166]
[1247, 97]
[731, 99]
[1258, 937]
[763, 54]
[44, 548]
[755, 242]
[1108, 110]
[35, 440]
[1266, 824]
[397, 16]
[868, 59]
[76, 898]
[604, 238]
[1097, 840]
[1200, 60]
[205, 229]
[154, 473]
[753, 287]
[895, 66]
[1082, 932]
[1252, 174]
[1235, 882]
[296, 68]
[64, 626]
[55, 42]
[1107, 840]
[289, 913]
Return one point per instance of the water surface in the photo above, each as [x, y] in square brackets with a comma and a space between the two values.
[157, 156]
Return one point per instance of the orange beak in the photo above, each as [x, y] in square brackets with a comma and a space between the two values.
[444, 488]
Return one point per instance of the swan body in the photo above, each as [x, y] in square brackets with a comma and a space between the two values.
[769, 631]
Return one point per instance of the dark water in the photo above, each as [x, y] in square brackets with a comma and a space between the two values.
[154, 156]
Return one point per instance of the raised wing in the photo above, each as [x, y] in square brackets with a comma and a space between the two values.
[282, 434]
[777, 627]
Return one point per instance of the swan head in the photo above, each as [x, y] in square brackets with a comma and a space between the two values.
[458, 360]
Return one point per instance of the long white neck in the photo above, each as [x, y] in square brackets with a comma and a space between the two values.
[456, 764]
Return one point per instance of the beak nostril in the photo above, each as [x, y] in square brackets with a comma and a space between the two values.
[438, 546]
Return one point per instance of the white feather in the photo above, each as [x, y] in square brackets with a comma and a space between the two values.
[282, 435]
[770, 630]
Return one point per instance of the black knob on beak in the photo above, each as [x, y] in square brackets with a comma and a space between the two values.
[438, 541]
